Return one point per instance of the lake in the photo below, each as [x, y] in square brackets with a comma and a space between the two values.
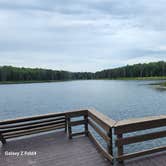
[116, 99]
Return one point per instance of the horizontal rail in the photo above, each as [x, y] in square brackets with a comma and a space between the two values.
[33, 126]
[137, 124]
[39, 128]
[141, 153]
[101, 119]
[70, 123]
[26, 119]
[80, 122]
[44, 116]
[101, 149]
[92, 117]
[30, 123]
[141, 138]
[134, 125]
[99, 131]
[76, 113]
[100, 123]
[32, 131]
[77, 134]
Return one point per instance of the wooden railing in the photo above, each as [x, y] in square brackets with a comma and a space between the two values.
[31, 125]
[103, 127]
[128, 126]
[70, 123]
[91, 120]
[99, 122]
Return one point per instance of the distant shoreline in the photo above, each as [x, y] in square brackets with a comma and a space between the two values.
[50, 81]
[138, 78]
[28, 82]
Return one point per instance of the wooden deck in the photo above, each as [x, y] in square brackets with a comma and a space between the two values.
[55, 149]
[60, 149]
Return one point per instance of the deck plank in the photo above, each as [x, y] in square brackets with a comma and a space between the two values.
[157, 159]
[55, 149]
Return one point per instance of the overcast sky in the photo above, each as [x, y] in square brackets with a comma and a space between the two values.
[81, 35]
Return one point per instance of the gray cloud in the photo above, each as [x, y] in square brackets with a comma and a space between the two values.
[81, 35]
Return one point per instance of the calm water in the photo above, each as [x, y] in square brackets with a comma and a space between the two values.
[117, 99]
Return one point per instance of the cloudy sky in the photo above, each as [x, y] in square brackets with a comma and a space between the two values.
[81, 35]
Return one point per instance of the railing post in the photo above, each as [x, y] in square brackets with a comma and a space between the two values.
[66, 123]
[109, 145]
[120, 147]
[86, 124]
[2, 139]
[69, 127]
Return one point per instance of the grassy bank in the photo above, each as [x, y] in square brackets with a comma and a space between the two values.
[163, 84]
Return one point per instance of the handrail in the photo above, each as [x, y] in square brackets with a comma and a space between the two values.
[12, 128]
[70, 123]
[134, 125]
[140, 120]
[36, 117]
[97, 121]
[104, 126]
[104, 119]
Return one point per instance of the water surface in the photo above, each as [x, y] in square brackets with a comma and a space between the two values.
[117, 99]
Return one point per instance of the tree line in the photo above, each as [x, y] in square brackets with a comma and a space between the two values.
[153, 69]
[9, 73]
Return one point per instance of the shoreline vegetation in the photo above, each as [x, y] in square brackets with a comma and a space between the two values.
[160, 85]
[22, 75]
[127, 79]
[29, 82]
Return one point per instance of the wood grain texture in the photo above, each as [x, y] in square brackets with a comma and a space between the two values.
[99, 122]
[105, 122]
[131, 125]
[140, 138]
[77, 123]
[99, 131]
[15, 125]
[100, 148]
[141, 153]
[33, 131]
[136, 124]
[53, 149]
[30, 118]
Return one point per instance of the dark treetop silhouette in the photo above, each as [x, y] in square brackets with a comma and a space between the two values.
[153, 69]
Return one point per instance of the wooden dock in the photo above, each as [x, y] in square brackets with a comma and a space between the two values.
[49, 140]
[55, 149]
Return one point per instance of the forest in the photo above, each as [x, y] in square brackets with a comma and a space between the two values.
[153, 69]
[9, 73]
